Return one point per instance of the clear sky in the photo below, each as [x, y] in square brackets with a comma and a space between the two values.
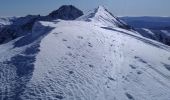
[117, 7]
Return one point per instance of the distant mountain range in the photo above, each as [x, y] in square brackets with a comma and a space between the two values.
[156, 28]
[11, 28]
[71, 56]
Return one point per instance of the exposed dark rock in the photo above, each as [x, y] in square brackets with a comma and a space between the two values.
[66, 12]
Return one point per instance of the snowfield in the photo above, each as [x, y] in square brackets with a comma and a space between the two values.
[84, 60]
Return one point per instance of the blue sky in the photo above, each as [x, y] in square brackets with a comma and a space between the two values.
[117, 7]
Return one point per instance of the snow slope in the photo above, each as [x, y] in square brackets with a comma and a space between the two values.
[101, 15]
[156, 28]
[80, 60]
[12, 28]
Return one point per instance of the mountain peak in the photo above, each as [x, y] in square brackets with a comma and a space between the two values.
[103, 16]
[66, 12]
[101, 9]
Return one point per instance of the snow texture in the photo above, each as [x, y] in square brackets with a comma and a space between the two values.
[80, 60]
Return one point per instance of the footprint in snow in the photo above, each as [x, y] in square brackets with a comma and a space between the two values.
[83, 56]
[129, 96]
[139, 72]
[55, 33]
[89, 44]
[166, 66]
[132, 66]
[64, 40]
[59, 97]
[80, 37]
[140, 59]
[110, 78]
[71, 72]
[68, 47]
[91, 66]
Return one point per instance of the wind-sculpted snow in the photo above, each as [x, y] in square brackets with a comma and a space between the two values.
[17, 71]
[80, 60]
[102, 16]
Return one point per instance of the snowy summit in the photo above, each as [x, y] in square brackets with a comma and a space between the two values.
[102, 16]
[94, 57]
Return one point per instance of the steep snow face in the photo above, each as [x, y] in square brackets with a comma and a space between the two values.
[102, 16]
[79, 60]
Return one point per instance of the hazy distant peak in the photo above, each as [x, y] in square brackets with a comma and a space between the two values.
[66, 12]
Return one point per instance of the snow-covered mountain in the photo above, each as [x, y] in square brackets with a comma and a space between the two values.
[17, 27]
[156, 28]
[102, 16]
[84, 60]
[6, 21]
[66, 12]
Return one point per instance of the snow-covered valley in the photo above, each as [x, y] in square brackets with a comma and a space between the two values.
[84, 60]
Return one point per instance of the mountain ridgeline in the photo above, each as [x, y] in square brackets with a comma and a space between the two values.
[71, 56]
[155, 28]
[23, 25]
